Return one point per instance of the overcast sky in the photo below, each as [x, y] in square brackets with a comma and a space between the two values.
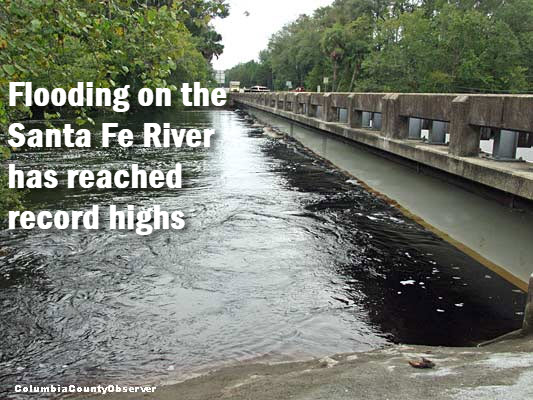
[245, 36]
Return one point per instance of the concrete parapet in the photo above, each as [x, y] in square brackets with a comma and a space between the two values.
[360, 103]
[517, 113]
[290, 102]
[339, 100]
[316, 99]
[316, 102]
[437, 107]
[371, 102]
[466, 113]
[302, 99]
[513, 178]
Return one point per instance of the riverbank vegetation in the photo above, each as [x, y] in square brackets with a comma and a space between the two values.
[112, 43]
[402, 46]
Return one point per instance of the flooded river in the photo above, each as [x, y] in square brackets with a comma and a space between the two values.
[283, 256]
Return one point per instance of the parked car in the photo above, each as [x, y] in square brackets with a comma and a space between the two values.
[299, 89]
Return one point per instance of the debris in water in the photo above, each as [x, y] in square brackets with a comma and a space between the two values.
[327, 362]
[424, 363]
[409, 282]
[353, 182]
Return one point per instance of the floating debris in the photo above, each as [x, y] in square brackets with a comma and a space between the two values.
[353, 182]
[424, 363]
[327, 362]
[271, 132]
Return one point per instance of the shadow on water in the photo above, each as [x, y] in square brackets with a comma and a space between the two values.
[283, 256]
[416, 287]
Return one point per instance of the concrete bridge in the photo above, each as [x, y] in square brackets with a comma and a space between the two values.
[388, 126]
[392, 122]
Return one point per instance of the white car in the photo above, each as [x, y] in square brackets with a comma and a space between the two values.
[259, 89]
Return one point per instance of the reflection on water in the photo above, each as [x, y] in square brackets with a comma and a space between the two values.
[282, 256]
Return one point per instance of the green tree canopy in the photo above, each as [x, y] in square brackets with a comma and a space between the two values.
[407, 46]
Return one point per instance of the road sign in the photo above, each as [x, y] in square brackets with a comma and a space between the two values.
[289, 84]
[220, 77]
[326, 80]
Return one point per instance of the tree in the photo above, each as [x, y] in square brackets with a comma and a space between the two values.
[333, 44]
[409, 45]
[111, 43]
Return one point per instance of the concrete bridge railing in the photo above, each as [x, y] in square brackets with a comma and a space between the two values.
[399, 116]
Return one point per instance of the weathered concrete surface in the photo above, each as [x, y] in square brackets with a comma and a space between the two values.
[503, 371]
[510, 177]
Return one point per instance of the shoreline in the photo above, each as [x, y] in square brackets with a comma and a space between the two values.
[501, 370]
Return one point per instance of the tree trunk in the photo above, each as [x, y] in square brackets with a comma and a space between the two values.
[335, 67]
[343, 75]
[355, 73]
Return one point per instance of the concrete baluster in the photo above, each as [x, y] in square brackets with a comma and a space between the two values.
[505, 145]
[415, 128]
[366, 117]
[438, 132]
[376, 121]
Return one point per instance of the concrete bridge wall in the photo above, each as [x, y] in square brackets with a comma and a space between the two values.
[464, 116]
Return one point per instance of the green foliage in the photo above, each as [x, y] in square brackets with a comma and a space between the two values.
[250, 74]
[9, 199]
[406, 46]
[51, 43]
